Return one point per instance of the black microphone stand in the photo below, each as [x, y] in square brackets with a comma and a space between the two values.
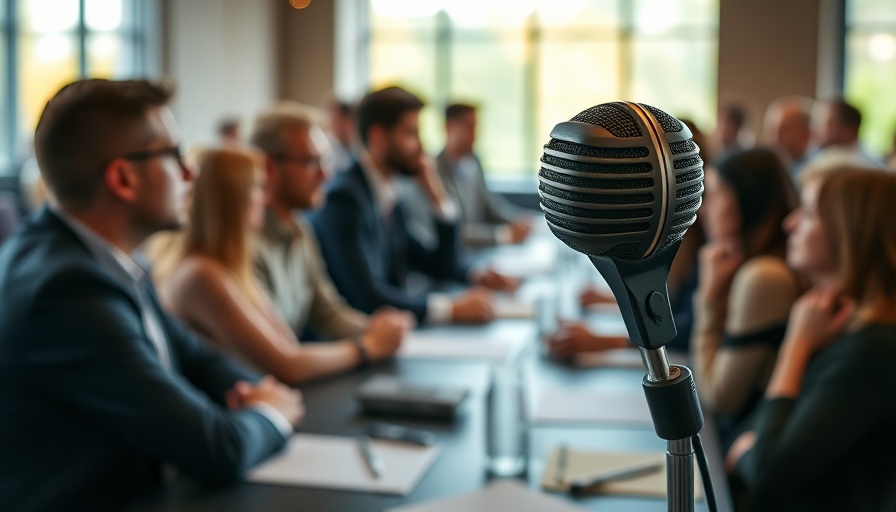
[677, 418]
[640, 289]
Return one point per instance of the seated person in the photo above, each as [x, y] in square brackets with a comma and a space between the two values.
[98, 386]
[206, 280]
[287, 257]
[746, 288]
[822, 437]
[486, 219]
[362, 227]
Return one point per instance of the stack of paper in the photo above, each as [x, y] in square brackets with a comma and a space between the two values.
[331, 462]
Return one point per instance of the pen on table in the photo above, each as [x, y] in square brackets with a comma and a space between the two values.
[589, 482]
[373, 463]
[562, 456]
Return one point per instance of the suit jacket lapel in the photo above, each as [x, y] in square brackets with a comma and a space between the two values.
[47, 219]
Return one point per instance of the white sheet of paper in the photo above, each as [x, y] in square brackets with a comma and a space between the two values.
[536, 257]
[332, 462]
[509, 307]
[574, 406]
[502, 496]
[447, 345]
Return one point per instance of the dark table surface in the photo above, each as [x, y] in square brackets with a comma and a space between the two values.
[332, 409]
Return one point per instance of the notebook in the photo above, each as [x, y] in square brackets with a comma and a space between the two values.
[582, 464]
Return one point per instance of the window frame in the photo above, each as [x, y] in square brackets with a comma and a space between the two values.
[141, 36]
[534, 34]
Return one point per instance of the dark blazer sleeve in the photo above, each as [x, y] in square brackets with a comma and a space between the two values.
[91, 354]
[205, 368]
[349, 247]
[443, 260]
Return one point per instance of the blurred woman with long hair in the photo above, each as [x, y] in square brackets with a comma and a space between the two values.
[746, 289]
[205, 277]
[822, 438]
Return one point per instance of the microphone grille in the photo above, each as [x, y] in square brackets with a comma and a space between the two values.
[614, 119]
[621, 180]
[669, 123]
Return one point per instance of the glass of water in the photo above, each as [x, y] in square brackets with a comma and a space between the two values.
[506, 432]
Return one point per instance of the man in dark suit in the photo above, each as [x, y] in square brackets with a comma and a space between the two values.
[362, 227]
[98, 386]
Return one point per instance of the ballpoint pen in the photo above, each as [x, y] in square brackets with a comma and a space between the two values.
[589, 482]
[562, 462]
[373, 463]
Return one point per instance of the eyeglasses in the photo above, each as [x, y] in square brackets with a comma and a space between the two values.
[147, 154]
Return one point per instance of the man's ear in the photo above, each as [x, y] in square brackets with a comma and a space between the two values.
[121, 180]
[376, 135]
[270, 176]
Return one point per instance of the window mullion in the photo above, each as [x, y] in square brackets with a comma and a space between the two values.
[12, 83]
[82, 39]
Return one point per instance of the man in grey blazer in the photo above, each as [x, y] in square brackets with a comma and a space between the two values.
[485, 218]
[98, 386]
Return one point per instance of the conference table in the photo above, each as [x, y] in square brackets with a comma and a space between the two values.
[333, 409]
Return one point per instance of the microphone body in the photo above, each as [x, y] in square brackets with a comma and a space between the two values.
[621, 182]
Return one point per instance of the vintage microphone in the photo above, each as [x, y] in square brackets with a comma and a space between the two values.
[621, 182]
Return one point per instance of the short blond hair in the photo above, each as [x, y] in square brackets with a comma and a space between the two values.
[274, 126]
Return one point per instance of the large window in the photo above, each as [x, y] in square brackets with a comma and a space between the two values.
[870, 63]
[529, 65]
[45, 44]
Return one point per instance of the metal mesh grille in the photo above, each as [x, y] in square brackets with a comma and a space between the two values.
[573, 165]
[689, 191]
[671, 239]
[688, 176]
[609, 199]
[685, 146]
[588, 213]
[588, 218]
[669, 123]
[683, 221]
[595, 183]
[616, 120]
[688, 206]
[582, 150]
[684, 163]
[597, 229]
